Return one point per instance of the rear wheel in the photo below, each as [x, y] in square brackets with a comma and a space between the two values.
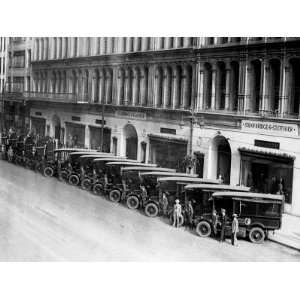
[257, 235]
[98, 189]
[48, 172]
[132, 202]
[74, 180]
[114, 196]
[151, 210]
[203, 229]
[64, 175]
[86, 184]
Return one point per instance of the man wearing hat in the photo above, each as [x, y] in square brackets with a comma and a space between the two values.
[234, 230]
[223, 220]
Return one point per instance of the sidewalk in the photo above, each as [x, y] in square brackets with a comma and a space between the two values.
[289, 234]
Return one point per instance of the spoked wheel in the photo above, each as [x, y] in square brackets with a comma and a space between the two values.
[203, 229]
[74, 180]
[48, 172]
[86, 184]
[257, 235]
[132, 202]
[64, 175]
[151, 210]
[114, 196]
[98, 189]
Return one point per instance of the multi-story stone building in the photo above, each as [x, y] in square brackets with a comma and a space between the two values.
[233, 103]
[3, 64]
[18, 80]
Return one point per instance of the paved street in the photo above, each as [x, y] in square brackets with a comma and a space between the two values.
[42, 219]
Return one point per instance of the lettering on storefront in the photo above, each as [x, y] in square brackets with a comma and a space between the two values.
[131, 114]
[270, 128]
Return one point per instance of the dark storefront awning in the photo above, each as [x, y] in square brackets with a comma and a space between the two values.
[266, 153]
[162, 138]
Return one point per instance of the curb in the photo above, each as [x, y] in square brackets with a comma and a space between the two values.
[284, 244]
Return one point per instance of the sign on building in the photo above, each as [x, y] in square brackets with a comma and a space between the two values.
[270, 128]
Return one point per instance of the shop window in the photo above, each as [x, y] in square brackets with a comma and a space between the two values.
[143, 154]
[115, 146]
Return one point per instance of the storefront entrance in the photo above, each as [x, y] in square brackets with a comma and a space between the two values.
[267, 173]
[75, 135]
[168, 153]
[220, 159]
[95, 138]
[38, 126]
[131, 141]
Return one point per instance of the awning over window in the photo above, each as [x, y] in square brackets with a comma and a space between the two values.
[163, 138]
[266, 153]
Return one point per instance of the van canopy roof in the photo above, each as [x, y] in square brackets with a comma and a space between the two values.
[74, 150]
[184, 180]
[250, 197]
[224, 187]
[90, 152]
[113, 158]
[168, 174]
[146, 168]
[96, 155]
[129, 163]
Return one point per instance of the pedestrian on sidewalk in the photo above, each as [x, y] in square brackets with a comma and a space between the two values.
[215, 222]
[165, 203]
[234, 230]
[189, 213]
[177, 213]
[223, 224]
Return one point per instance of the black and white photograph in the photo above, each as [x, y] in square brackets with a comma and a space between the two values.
[149, 147]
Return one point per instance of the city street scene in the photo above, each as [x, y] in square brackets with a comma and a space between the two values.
[150, 149]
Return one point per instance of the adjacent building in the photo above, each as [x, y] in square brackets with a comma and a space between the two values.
[231, 103]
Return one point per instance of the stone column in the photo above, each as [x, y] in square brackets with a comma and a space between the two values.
[145, 43]
[102, 45]
[128, 92]
[187, 42]
[135, 92]
[213, 86]
[185, 85]
[101, 86]
[120, 86]
[228, 87]
[175, 87]
[265, 88]
[247, 87]
[285, 87]
[158, 87]
[108, 86]
[166, 87]
[200, 87]
[143, 85]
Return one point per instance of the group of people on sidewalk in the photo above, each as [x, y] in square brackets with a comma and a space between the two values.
[180, 213]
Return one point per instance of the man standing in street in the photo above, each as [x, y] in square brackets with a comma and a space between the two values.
[223, 224]
[177, 213]
[234, 230]
[164, 204]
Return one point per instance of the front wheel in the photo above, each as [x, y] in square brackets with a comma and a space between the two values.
[48, 172]
[151, 210]
[132, 202]
[74, 180]
[203, 229]
[86, 184]
[114, 196]
[98, 189]
[257, 235]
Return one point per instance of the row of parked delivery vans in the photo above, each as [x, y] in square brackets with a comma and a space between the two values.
[120, 179]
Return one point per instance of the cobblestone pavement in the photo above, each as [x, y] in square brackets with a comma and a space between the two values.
[42, 219]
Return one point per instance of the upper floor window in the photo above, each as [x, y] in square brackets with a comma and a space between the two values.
[18, 59]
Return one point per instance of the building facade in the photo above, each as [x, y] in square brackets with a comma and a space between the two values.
[17, 81]
[231, 103]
